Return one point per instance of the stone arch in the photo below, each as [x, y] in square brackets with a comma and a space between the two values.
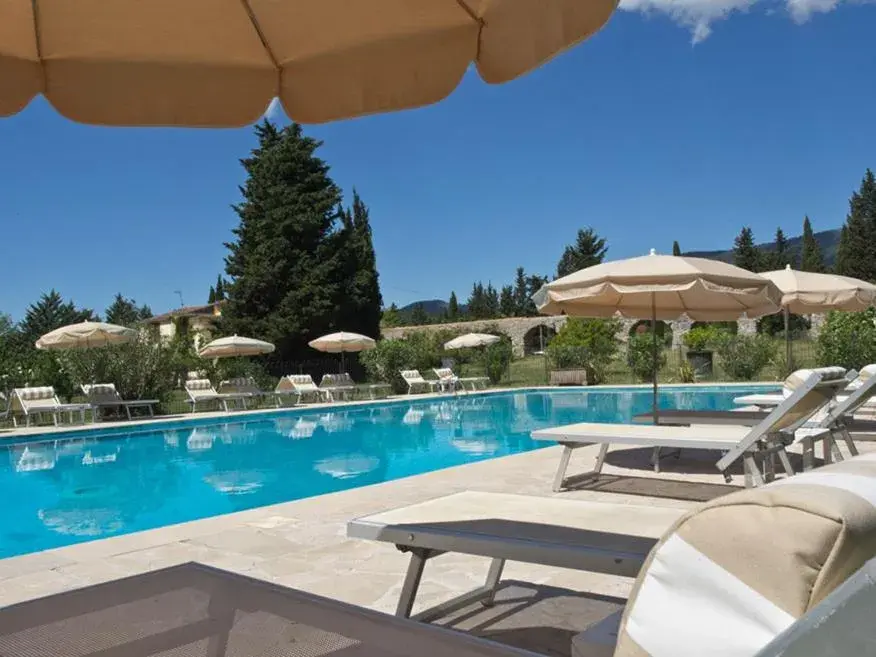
[664, 330]
[537, 338]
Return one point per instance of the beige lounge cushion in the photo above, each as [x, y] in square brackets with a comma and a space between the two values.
[732, 574]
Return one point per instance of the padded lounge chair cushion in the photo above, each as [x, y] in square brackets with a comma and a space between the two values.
[199, 384]
[33, 394]
[734, 573]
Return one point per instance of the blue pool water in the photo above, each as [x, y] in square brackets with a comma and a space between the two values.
[103, 483]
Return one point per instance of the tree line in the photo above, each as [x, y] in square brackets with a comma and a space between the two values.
[511, 300]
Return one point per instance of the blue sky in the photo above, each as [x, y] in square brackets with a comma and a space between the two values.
[666, 125]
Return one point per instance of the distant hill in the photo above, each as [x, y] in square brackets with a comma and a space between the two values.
[434, 308]
[828, 240]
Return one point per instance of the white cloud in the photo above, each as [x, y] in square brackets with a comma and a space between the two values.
[699, 15]
[275, 111]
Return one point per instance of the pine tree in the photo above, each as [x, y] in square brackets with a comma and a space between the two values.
[523, 304]
[857, 249]
[676, 249]
[284, 260]
[124, 312]
[507, 306]
[52, 312]
[419, 316]
[745, 254]
[780, 256]
[477, 302]
[211, 297]
[491, 300]
[391, 317]
[589, 249]
[811, 258]
[453, 308]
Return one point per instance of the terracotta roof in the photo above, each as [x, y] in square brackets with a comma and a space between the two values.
[208, 310]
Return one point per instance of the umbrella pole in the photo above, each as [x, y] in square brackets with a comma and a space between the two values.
[654, 354]
[343, 358]
[788, 356]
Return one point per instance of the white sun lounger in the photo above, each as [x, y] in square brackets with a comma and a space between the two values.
[726, 573]
[105, 395]
[836, 416]
[756, 445]
[773, 399]
[337, 387]
[36, 401]
[201, 391]
[575, 534]
[301, 386]
[416, 382]
[449, 380]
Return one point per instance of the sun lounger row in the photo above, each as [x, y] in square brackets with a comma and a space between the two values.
[447, 381]
[35, 402]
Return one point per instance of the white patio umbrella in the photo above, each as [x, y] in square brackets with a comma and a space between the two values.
[661, 287]
[471, 341]
[343, 343]
[85, 335]
[235, 346]
[806, 293]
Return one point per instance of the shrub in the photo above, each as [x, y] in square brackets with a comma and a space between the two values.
[640, 356]
[587, 343]
[686, 373]
[744, 356]
[702, 338]
[384, 362]
[497, 359]
[848, 339]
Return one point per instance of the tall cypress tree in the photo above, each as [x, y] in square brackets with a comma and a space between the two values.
[284, 284]
[676, 249]
[745, 254]
[857, 250]
[359, 300]
[811, 258]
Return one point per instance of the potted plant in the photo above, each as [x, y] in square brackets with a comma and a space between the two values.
[700, 341]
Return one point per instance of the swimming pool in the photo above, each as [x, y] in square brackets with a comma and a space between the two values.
[60, 490]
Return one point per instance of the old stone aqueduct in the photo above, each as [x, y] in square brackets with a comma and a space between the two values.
[526, 332]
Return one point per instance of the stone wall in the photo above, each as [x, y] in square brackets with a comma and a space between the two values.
[517, 328]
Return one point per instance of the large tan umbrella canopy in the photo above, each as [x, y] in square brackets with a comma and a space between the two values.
[661, 287]
[85, 335]
[471, 341]
[805, 293]
[235, 346]
[220, 62]
[342, 343]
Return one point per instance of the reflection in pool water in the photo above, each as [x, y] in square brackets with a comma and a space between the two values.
[70, 490]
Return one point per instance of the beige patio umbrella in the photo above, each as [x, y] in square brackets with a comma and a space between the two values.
[235, 346]
[220, 62]
[805, 293]
[661, 287]
[85, 335]
[343, 343]
[472, 341]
